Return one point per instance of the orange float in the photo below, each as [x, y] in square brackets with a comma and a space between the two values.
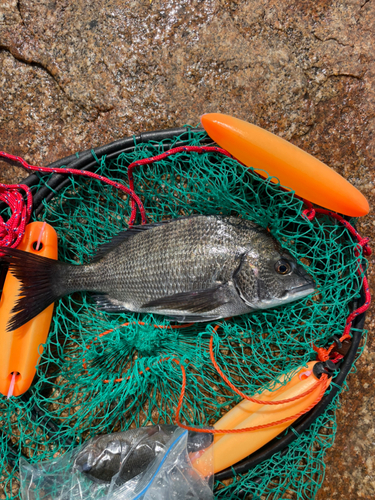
[20, 350]
[228, 449]
[295, 169]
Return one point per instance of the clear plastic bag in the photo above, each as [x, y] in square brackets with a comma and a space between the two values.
[139, 464]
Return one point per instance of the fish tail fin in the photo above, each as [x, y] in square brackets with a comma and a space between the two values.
[42, 280]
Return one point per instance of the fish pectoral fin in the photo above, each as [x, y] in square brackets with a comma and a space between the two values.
[198, 301]
[105, 303]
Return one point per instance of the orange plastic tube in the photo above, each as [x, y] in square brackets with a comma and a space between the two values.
[228, 449]
[307, 176]
[20, 350]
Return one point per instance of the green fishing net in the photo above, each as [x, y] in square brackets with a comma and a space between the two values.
[101, 373]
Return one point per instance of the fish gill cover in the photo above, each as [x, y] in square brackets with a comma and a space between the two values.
[101, 373]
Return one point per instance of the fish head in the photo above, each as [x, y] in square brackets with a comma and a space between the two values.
[270, 276]
[100, 458]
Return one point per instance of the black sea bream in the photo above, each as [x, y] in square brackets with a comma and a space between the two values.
[192, 269]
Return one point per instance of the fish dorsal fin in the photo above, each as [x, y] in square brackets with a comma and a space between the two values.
[119, 238]
[132, 231]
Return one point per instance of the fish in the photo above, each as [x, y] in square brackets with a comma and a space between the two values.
[127, 454]
[190, 269]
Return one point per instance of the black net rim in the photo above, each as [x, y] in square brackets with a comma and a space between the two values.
[87, 160]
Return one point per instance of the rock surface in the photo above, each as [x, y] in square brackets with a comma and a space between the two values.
[78, 74]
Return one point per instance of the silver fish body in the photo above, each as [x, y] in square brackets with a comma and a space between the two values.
[198, 268]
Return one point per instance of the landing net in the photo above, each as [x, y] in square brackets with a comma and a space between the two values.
[102, 373]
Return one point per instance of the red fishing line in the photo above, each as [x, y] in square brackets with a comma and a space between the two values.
[12, 231]
[85, 173]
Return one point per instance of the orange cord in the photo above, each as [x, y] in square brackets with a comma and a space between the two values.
[323, 354]
[248, 398]
[323, 381]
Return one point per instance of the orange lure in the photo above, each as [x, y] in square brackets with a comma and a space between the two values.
[20, 350]
[297, 170]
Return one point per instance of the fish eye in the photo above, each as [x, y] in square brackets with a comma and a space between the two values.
[283, 267]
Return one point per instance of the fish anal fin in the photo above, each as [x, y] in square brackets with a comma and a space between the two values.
[191, 318]
[107, 304]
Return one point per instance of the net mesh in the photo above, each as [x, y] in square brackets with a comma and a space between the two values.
[77, 393]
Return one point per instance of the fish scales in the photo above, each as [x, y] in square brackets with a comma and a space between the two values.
[189, 254]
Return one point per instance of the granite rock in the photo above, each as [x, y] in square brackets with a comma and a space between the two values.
[78, 74]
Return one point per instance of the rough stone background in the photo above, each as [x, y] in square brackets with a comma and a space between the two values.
[77, 74]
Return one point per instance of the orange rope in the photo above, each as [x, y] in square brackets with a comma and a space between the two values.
[323, 381]
[323, 354]
[248, 398]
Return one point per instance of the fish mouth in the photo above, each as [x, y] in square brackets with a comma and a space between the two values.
[302, 290]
